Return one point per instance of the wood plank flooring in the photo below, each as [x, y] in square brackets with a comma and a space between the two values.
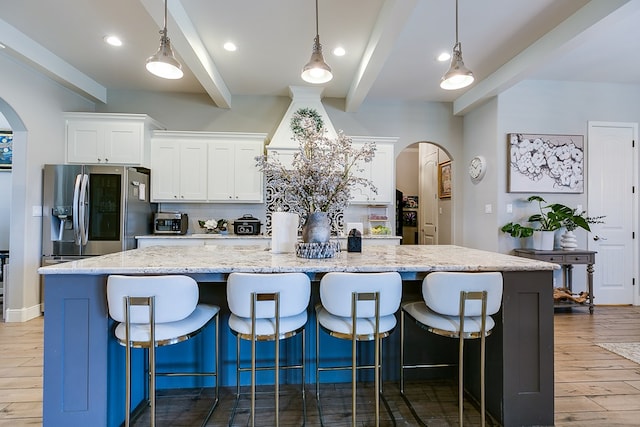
[593, 387]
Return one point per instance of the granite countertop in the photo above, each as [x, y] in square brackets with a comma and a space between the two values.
[247, 236]
[256, 259]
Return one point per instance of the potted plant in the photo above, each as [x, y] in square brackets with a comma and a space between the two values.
[550, 218]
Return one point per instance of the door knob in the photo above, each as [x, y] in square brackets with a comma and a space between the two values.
[596, 238]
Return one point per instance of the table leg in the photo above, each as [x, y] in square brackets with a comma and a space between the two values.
[590, 284]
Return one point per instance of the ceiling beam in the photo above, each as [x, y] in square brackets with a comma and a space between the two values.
[566, 35]
[27, 50]
[187, 43]
[390, 23]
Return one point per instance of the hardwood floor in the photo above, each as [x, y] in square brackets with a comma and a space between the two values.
[593, 386]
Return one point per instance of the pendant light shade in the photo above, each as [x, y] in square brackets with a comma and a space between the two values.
[317, 71]
[163, 63]
[458, 75]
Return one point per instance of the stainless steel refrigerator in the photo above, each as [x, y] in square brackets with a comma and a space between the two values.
[93, 210]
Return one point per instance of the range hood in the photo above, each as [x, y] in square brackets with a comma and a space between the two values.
[301, 97]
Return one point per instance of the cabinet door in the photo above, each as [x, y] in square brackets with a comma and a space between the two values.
[382, 174]
[123, 143]
[221, 171]
[248, 179]
[360, 194]
[193, 171]
[165, 171]
[84, 142]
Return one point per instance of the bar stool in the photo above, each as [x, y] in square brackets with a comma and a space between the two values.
[358, 307]
[157, 311]
[455, 302]
[267, 307]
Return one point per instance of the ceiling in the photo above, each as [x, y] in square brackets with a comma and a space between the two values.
[391, 45]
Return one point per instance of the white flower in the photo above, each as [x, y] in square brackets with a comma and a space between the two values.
[211, 224]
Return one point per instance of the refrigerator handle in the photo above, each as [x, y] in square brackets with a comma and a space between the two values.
[76, 210]
[84, 214]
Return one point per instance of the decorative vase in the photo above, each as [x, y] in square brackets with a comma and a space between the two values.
[317, 228]
[568, 241]
[543, 240]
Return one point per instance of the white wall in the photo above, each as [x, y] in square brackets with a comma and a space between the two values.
[32, 105]
[5, 208]
[480, 138]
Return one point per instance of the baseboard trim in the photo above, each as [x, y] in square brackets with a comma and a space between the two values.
[22, 314]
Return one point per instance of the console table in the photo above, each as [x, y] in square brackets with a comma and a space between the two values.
[567, 259]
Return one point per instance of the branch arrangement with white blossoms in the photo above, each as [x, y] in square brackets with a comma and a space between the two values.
[323, 170]
[536, 157]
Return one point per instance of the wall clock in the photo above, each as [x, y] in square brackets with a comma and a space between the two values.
[477, 168]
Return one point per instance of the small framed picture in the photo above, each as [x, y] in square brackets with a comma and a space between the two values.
[411, 202]
[444, 180]
[6, 149]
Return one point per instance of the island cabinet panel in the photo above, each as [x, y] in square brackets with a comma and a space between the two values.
[119, 139]
[76, 337]
[381, 171]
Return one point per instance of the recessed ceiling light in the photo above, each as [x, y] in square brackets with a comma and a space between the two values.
[339, 51]
[229, 46]
[444, 56]
[113, 40]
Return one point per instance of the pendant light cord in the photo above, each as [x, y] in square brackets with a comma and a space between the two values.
[164, 30]
[317, 30]
[456, 21]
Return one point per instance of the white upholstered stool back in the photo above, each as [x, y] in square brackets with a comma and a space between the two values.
[336, 290]
[441, 292]
[294, 289]
[175, 297]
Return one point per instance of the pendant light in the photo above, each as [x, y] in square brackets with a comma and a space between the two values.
[163, 63]
[317, 71]
[458, 75]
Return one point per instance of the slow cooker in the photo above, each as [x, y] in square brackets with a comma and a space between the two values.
[247, 225]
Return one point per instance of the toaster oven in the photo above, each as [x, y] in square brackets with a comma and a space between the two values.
[170, 223]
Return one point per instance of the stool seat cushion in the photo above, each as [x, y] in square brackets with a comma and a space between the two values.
[364, 325]
[267, 327]
[423, 314]
[141, 332]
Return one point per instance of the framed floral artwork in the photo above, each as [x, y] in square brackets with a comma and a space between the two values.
[444, 180]
[540, 163]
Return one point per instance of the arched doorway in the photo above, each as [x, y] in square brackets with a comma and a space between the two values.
[9, 121]
[426, 216]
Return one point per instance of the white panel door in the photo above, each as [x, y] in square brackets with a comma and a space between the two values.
[611, 192]
[193, 171]
[428, 183]
[221, 171]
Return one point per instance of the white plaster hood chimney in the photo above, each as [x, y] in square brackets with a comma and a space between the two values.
[301, 97]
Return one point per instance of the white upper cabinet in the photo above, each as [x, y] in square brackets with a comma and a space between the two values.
[206, 167]
[233, 175]
[109, 138]
[178, 168]
[381, 171]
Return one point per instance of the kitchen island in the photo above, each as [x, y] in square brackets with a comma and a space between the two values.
[83, 366]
